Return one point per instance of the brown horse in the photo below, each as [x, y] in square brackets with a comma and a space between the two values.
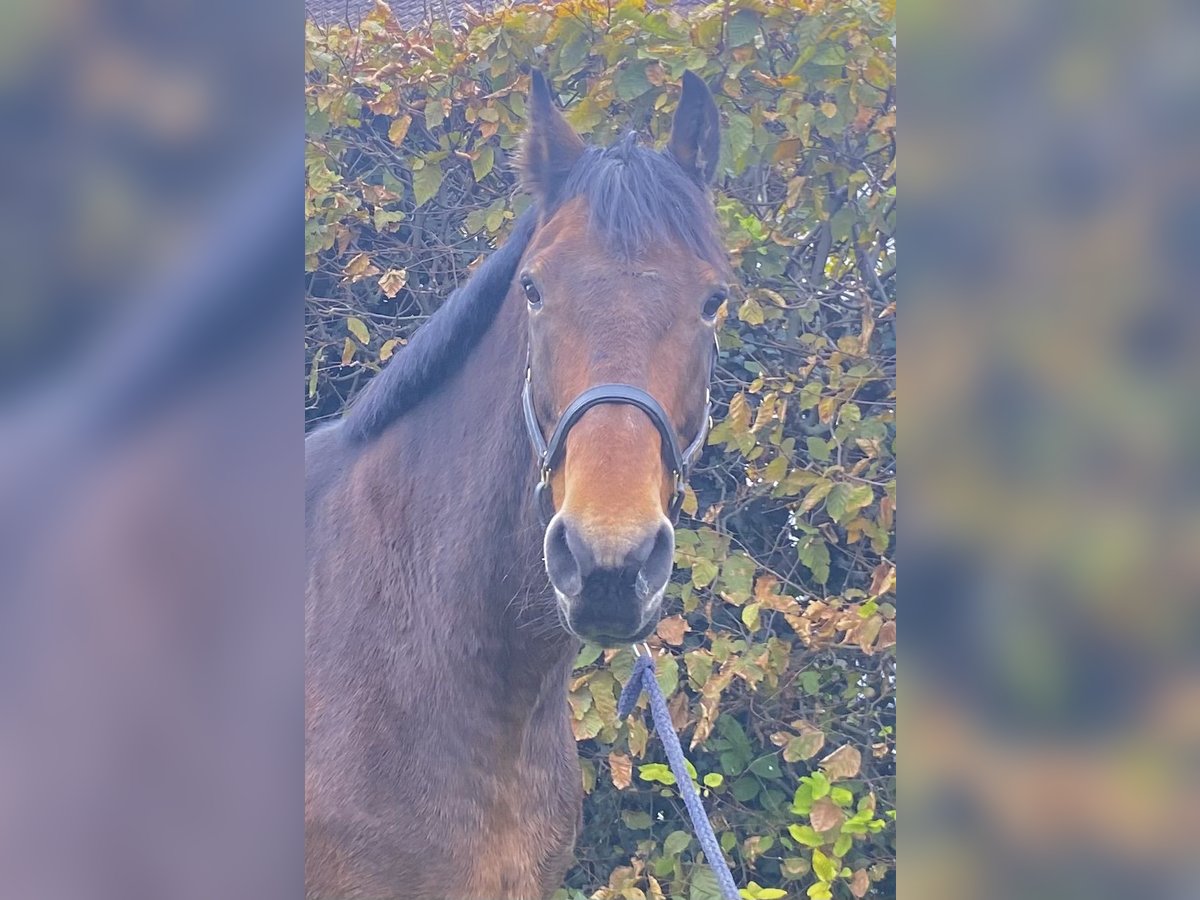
[442, 616]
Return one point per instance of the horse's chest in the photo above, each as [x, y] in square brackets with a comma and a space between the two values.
[529, 819]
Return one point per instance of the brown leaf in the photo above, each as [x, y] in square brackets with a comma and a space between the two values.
[860, 883]
[867, 631]
[392, 281]
[883, 578]
[622, 770]
[887, 636]
[358, 265]
[826, 815]
[677, 707]
[844, 762]
[672, 629]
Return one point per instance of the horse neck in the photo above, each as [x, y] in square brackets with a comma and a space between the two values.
[481, 526]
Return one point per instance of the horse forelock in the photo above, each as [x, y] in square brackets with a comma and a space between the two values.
[636, 196]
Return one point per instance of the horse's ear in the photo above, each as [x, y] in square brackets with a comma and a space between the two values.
[550, 147]
[696, 130]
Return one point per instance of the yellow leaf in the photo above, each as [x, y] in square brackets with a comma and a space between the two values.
[828, 109]
[348, 351]
[358, 328]
[690, 503]
[392, 281]
[399, 128]
[750, 312]
[388, 348]
[358, 265]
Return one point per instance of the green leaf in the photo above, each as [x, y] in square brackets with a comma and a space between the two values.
[842, 845]
[820, 784]
[830, 55]
[737, 577]
[842, 797]
[804, 746]
[805, 835]
[426, 182]
[823, 866]
[637, 820]
[745, 789]
[743, 27]
[631, 81]
[714, 780]
[659, 772]
[766, 767]
[483, 162]
[703, 572]
[846, 499]
[802, 800]
[676, 842]
[814, 553]
[704, 885]
[740, 135]
[588, 654]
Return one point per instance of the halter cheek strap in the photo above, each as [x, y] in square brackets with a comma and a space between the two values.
[550, 452]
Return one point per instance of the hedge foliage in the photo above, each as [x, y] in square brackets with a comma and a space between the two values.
[780, 640]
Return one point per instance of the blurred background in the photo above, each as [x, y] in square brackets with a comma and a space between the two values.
[151, 642]
[1048, 380]
[150, 450]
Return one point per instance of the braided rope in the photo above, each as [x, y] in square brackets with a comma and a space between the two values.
[643, 679]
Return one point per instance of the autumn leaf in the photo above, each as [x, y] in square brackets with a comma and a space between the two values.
[622, 770]
[844, 762]
[398, 129]
[826, 815]
[672, 629]
[358, 328]
[392, 281]
[860, 883]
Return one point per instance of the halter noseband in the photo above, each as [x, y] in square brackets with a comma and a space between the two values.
[549, 452]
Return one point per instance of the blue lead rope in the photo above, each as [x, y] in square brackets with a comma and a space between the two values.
[643, 679]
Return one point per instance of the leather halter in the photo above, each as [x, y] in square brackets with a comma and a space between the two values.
[550, 452]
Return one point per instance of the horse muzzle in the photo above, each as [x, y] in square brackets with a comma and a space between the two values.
[610, 590]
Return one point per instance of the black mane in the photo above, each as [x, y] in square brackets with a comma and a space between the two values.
[440, 344]
[635, 196]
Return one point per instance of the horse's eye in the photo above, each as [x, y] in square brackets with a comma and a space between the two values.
[531, 291]
[713, 304]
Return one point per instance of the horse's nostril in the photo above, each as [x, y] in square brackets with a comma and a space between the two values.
[654, 560]
[565, 568]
